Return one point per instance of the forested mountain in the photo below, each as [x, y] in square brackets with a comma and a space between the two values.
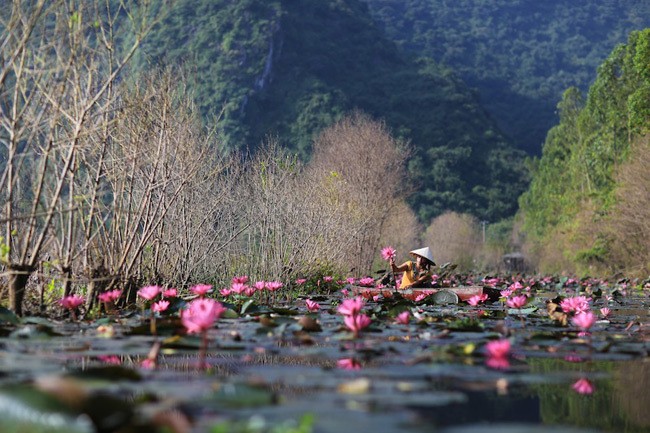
[520, 55]
[290, 68]
[588, 203]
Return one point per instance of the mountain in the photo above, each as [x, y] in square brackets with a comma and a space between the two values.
[290, 68]
[520, 55]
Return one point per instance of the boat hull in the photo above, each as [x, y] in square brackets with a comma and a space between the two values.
[463, 292]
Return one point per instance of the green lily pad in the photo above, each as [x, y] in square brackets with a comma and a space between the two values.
[8, 316]
[238, 395]
[27, 409]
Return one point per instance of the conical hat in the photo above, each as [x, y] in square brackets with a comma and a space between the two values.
[424, 252]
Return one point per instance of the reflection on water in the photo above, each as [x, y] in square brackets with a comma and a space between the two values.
[605, 396]
[618, 402]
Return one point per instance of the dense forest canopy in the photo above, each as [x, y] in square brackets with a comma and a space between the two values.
[584, 194]
[288, 69]
[520, 55]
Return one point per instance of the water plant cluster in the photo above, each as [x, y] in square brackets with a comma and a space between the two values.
[239, 358]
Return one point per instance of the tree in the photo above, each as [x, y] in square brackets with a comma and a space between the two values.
[60, 63]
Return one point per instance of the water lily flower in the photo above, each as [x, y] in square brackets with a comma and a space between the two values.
[110, 359]
[160, 306]
[110, 296]
[584, 320]
[260, 285]
[422, 295]
[201, 315]
[148, 364]
[477, 299]
[403, 318]
[241, 280]
[328, 279]
[357, 322]
[170, 293]
[498, 348]
[201, 289]
[605, 312]
[312, 305]
[583, 386]
[301, 281]
[149, 292]
[272, 286]
[345, 292]
[72, 302]
[517, 301]
[388, 253]
[367, 282]
[348, 364]
[225, 292]
[351, 307]
[350, 280]
[238, 288]
[577, 304]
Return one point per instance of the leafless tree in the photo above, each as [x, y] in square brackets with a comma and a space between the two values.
[364, 167]
[59, 64]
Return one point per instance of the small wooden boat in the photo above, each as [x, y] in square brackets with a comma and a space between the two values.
[440, 295]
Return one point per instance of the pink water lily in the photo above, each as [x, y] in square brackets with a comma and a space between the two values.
[110, 296]
[241, 279]
[160, 306]
[388, 253]
[170, 293]
[348, 364]
[301, 281]
[403, 318]
[72, 302]
[517, 301]
[477, 299]
[201, 315]
[583, 386]
[605, 312]
[498, 348]
[577, 304]
[149, 292]
[367, 282]
[312, 305]
[584, 320]
[357, 323]
[238, 288]
[272, 286]
[201, 289]
[352, 306]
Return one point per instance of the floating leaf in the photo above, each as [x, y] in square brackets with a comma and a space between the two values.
[8, 316]
[237, 395]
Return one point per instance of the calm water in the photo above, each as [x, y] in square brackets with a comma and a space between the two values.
[423, 377]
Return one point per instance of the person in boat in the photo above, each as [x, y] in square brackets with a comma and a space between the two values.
[415, 273]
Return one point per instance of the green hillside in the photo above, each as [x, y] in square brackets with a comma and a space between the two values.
[573, 206]
[520, 55]
[290, 68]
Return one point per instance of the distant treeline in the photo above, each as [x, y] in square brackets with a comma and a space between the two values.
[520, 55]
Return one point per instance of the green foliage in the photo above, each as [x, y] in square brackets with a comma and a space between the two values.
[576, 172]
[258, 425]
[289, 69]
[520, 55]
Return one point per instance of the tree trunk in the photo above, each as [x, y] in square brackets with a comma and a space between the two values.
[18, 276]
